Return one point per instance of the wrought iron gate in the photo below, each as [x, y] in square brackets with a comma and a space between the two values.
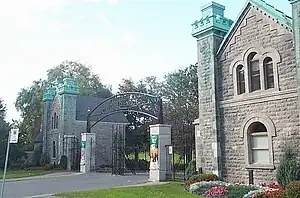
[71, 149]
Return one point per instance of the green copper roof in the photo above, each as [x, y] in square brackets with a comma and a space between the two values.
[68, 86]
[212, 18]
[49, 94]
[275, 13]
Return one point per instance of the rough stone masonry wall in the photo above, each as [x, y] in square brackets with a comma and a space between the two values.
[281, 109]
[208, 125]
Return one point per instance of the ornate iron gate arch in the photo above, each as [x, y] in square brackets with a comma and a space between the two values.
[141, 103]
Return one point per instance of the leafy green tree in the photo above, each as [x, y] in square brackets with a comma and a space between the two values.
[30, 99]
[180, 95]
[15, 152]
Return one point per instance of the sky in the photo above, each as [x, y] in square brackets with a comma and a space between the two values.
[118, 38]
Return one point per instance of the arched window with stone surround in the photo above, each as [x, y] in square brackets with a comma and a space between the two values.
[269, 73]
[56, 126]
[55, 120]
[240, 79]
[259, 146]
[258, 132]
[52, 122]
[254, 71]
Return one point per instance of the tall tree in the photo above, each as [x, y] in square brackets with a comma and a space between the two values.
[180, 95]
[89, 84]
[29, 100]
[15, 152]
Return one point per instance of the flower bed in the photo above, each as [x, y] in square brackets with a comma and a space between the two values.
[215, 188]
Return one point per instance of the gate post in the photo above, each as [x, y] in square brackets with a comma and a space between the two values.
[160, 137]
[88, 160]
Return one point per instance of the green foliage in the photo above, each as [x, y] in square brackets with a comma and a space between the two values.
[235, 191]
[63, 162]
[293, 190]
[190, 169]
[203, 177]
[45, 159]
[30, 99]
[36, 158]
[288, 168]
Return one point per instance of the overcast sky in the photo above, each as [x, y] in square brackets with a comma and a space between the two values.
[119, 38]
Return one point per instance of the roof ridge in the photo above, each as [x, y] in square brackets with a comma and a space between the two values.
[263, 4]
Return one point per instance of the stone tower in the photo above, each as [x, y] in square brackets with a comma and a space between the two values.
[296, 27]
[209, 32]
[67, 92]
[47, 99]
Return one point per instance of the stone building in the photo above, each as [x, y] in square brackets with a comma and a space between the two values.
[65, 118]
[249, 90]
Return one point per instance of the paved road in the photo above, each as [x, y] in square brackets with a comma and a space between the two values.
[50, 185]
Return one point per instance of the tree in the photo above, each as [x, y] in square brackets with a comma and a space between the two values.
[15, 152]
[180, 95]
[89, 84]
[30, 99]
[137, 134]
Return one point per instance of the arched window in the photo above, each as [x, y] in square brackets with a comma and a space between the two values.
[240, 79]
[259, 146]
[52, 122]
[254, 71]
[269, 73]
[55, 120]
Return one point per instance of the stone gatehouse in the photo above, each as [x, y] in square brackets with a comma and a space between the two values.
[65, 118]
[249, 82]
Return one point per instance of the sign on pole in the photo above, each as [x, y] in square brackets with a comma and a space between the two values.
[14, 136]
[12, 139]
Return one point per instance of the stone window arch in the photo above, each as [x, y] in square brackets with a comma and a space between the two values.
[269, 73]
[240, 72]
[52, 122]
[55, 120]
[260, 70]
[254, 71]
[56, 124]
[258, 132]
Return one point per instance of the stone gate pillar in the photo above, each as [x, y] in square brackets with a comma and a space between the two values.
[160, 137]
[88, 158]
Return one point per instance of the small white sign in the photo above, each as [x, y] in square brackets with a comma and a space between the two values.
[14, 136]
[170, 150]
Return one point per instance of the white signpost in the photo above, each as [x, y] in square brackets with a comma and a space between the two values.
[12, 139]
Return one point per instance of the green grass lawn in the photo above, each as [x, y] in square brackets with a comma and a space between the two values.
[11, 174]
[160, 191]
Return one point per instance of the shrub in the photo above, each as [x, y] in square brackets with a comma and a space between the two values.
[238, 190]
[288, 168]
[190, 169]
[63, 162]
[293, 189]
[202, 177]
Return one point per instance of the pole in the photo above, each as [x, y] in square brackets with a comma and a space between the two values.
[5, 166]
